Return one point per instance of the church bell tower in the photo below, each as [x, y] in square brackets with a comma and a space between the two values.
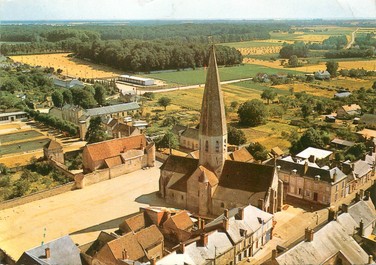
[213, 129]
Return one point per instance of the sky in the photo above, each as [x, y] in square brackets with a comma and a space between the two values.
[185, 9]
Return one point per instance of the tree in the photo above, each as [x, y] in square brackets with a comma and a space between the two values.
[332, 68]
[57, 99]
[169, 140]
[100, 94]
[293, 61]
[149, 95]
[306, 109]
[258, 151]
[310, 138]
[95, 133]
[235, 136]
[374, 85]
[170, 121]
[356, 151]
[252, 113]
[67, 96]
[164, 102]
[83, 98]
[269, 94]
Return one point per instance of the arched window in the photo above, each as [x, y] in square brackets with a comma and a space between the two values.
[217, 146]
[222, 205]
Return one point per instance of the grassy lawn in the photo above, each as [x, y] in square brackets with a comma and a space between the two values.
[25, 146]
[5, 138]
[198, 76]
[251, 44]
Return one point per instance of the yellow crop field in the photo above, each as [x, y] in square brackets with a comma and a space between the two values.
[260, 50]
[312, 38]
[302, 87]
[72, 67]
[369, 65]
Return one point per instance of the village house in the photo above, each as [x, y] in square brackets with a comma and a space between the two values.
[367, 134]
[359, 173]
[368, 120]
[121, 155]
[348, 111]
[188, 137]
[341, 144]
[81, 117]
[54, 150]
[115, 128]
[337, 241]
[145, 245]
[211, 183]
[307, 181]
[248, 228]
[13, 116]
[322, 75]
[312, 154]
[62, 251]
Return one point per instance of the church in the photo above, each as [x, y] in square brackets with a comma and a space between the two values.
[208, 185]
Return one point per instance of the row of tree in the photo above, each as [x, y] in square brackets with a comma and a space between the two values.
[350, 53]
[52, 121]
[138, 56]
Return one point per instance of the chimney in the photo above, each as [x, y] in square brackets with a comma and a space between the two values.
[225, 223]
[153, 261]
[308, 234]
[345, 208]
[240, 215]
[305, 167]
[225, 213]
[274, 254]
[361, 227]
[261, 204]
[332, 216]
[357, 197]
[125, 254]
[370, 259]
[352, 166]
[367, 195]
[361, 194]
[181, 247]
[202, 224]
[199, 223]
[47, 252]
[203, 242]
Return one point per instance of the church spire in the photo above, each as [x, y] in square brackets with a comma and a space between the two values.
[213, 119]
[213, 130]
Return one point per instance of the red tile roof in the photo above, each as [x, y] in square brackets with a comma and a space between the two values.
[182, 220]
[53, 145]
[113, 161]
[129, 243]
[135, 223]
[149, 237]
[111, 148]
[242, 155]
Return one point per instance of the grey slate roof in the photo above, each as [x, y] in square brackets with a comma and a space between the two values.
[333, 175]
[63, 252]
[342, 142]
[362, 211]
[190, 133]
[253, 220]
[113, 109]
[361, 168]
[218, 243]
[327, 242]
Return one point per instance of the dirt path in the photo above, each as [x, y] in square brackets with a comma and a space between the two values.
[81, 213]
[348, 46]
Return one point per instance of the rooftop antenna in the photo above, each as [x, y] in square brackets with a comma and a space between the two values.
[44, 236]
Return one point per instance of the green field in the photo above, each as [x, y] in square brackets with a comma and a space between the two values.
[23, 147]
[251, 44]
[198, 76]
[5, 138]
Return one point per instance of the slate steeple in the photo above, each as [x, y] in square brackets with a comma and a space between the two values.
[213, 129]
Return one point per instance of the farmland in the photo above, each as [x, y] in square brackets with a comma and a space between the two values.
[71, 66]
[19, 136]
[194, 77]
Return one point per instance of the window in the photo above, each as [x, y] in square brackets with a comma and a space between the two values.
[300, 191]
[240, 257]
[206, 146]
[217, 147]
[222, 205]
[182, 197]
[307, 193]
[343, 184]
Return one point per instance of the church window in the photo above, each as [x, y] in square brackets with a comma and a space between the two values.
[206, 145]
[182, 197]
[222, 205]
[217, 147]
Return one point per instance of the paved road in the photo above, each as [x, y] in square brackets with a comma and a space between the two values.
[348, 46]
[22, 227]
